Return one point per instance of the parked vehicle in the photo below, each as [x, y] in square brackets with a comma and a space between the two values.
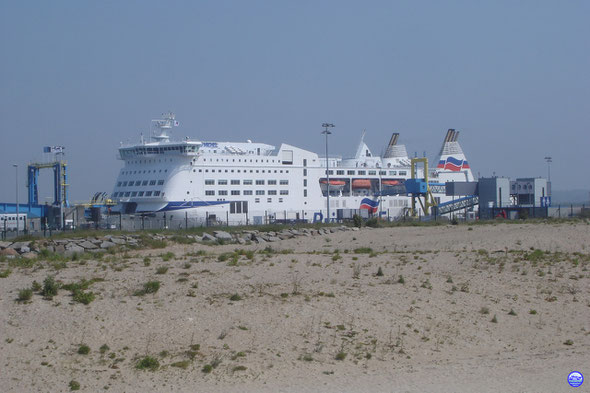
[8, 222]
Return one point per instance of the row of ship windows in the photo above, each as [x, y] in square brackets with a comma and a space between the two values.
[140, 172]
[136, 194]
[236, 182]
[157, 150]
[256, 200]
[140, 183]
[239, 171]
[246, 192]
[234, 160]
[371, 173]
[145, 161]
[269, 200]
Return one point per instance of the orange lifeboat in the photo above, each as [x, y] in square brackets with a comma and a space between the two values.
[334, 186]
[391, 183]
[361, 183]
[333, 182]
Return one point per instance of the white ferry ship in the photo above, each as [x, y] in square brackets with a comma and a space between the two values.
[254, 183]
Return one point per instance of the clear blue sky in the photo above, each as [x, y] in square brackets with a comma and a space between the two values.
[512, 76]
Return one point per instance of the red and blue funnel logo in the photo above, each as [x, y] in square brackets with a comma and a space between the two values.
[370, 205]
[452, 164]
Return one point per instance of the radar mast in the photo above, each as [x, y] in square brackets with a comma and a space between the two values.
[162, 127]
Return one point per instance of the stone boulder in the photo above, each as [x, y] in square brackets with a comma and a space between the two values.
[8, 252]
[208, 238]
[87, 245]
[221, 235]
[24, 249]
[107, 244]
[19, 245]
[72, 249]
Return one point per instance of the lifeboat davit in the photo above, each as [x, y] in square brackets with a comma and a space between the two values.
[361, 183]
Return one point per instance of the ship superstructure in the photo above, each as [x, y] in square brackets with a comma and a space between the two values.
[247, 182]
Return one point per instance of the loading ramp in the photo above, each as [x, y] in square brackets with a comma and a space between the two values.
[457, 204]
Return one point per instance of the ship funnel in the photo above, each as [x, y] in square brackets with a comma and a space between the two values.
[452, 158]
[449, 136]
[393, 140]
[394, 150]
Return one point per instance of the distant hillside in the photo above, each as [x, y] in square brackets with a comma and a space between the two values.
[576, 197]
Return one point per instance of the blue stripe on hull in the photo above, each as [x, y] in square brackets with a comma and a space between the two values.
[189, 205]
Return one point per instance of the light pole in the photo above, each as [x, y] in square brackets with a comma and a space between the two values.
[16, 187]
[549, 161]
[327, 132]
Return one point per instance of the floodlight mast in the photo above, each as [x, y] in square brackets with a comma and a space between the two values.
[549, 160]
[327, 132]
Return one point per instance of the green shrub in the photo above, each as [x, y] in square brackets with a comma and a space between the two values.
[50, 287]
[5, 273]
[162, 270]
[74, 385]
[373, 222]
[379, 272]
[182, 364]
[148, 363]
[341, 355]
[357, 221]
[183, 239]
[207, 368]
[36, 287]
[81, 285]
[307, 357]
[153, 243]
[569, 342]
[83, 349]
[235, 297]
[104, 348]
[535, 256]
[363, 250]
[401, 280]
[83, 297]
[24, 295]
[168, 256]
[239, 368]
[148, 287]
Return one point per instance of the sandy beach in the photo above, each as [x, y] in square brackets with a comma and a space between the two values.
[486, 308]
